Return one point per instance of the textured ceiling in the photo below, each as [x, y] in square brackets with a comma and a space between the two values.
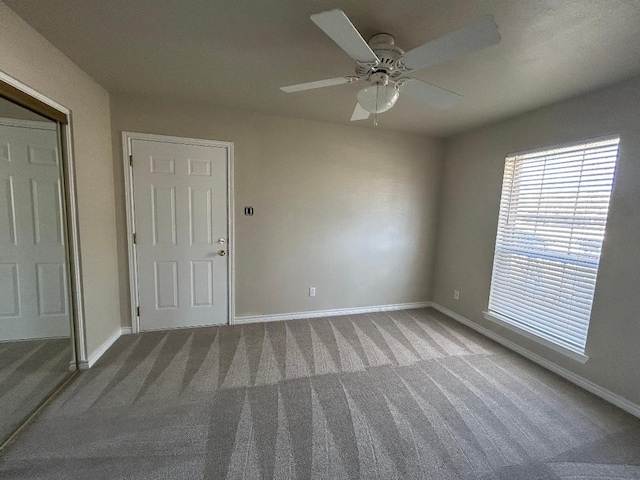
[237, 53]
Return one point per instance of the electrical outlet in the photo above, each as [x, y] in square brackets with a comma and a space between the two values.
[456, 295]
[312, 291]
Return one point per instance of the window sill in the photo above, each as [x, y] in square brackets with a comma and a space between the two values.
[493, 317]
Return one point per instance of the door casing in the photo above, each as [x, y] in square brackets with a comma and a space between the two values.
[127, 138]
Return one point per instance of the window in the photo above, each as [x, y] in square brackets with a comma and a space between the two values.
[553, 212]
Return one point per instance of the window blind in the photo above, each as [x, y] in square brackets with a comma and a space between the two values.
[551, 226]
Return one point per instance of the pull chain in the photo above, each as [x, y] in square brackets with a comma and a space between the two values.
[375, 115]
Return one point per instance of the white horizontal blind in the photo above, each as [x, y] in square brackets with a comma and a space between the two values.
[551, 226]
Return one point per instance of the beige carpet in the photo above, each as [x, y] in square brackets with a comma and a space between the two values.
[407, 394]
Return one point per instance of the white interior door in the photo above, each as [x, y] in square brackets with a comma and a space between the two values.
[180, 197]
[33, 261]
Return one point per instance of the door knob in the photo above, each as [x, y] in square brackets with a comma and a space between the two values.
[222, 253]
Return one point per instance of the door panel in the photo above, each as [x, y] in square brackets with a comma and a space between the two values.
[180, 203]
[163, 206]
[51, 288]
[7, 213]
[33, 260]
[46, 211]
[9, 290]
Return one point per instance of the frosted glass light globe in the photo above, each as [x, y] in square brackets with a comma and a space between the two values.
[378, 98]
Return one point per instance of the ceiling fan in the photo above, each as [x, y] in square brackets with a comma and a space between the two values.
[386, 67]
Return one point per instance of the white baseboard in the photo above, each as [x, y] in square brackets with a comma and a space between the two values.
[95, 356]
[329, 313]
[614, 398]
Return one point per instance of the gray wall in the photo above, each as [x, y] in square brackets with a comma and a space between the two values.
[472, 179]
[28, 57]
[348, 210]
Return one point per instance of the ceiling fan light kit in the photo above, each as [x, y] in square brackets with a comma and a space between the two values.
[380, 96]
[386, 67]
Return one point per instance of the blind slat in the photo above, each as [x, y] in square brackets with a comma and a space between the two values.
[553, 213]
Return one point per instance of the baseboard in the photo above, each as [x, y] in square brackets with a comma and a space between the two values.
[614, 398]
[329, 313]
[95, 356]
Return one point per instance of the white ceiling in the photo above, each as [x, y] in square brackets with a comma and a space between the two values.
[237, 53]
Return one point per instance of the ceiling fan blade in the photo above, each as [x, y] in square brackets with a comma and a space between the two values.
[474, 36]
[329, 82]
[338, 26]
[359, 113]
[429, 94]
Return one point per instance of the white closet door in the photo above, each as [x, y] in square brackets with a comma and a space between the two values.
[33, 262]
[180, 202]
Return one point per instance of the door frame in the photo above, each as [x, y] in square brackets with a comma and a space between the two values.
[70, 212]
[127, 138]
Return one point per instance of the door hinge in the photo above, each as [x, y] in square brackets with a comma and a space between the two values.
[138, 311]
[135, 238]
[131, 160]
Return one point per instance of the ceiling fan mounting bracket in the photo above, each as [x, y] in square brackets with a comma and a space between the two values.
[382, 39]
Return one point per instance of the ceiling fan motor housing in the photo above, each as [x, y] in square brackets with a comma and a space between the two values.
[383, 45]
